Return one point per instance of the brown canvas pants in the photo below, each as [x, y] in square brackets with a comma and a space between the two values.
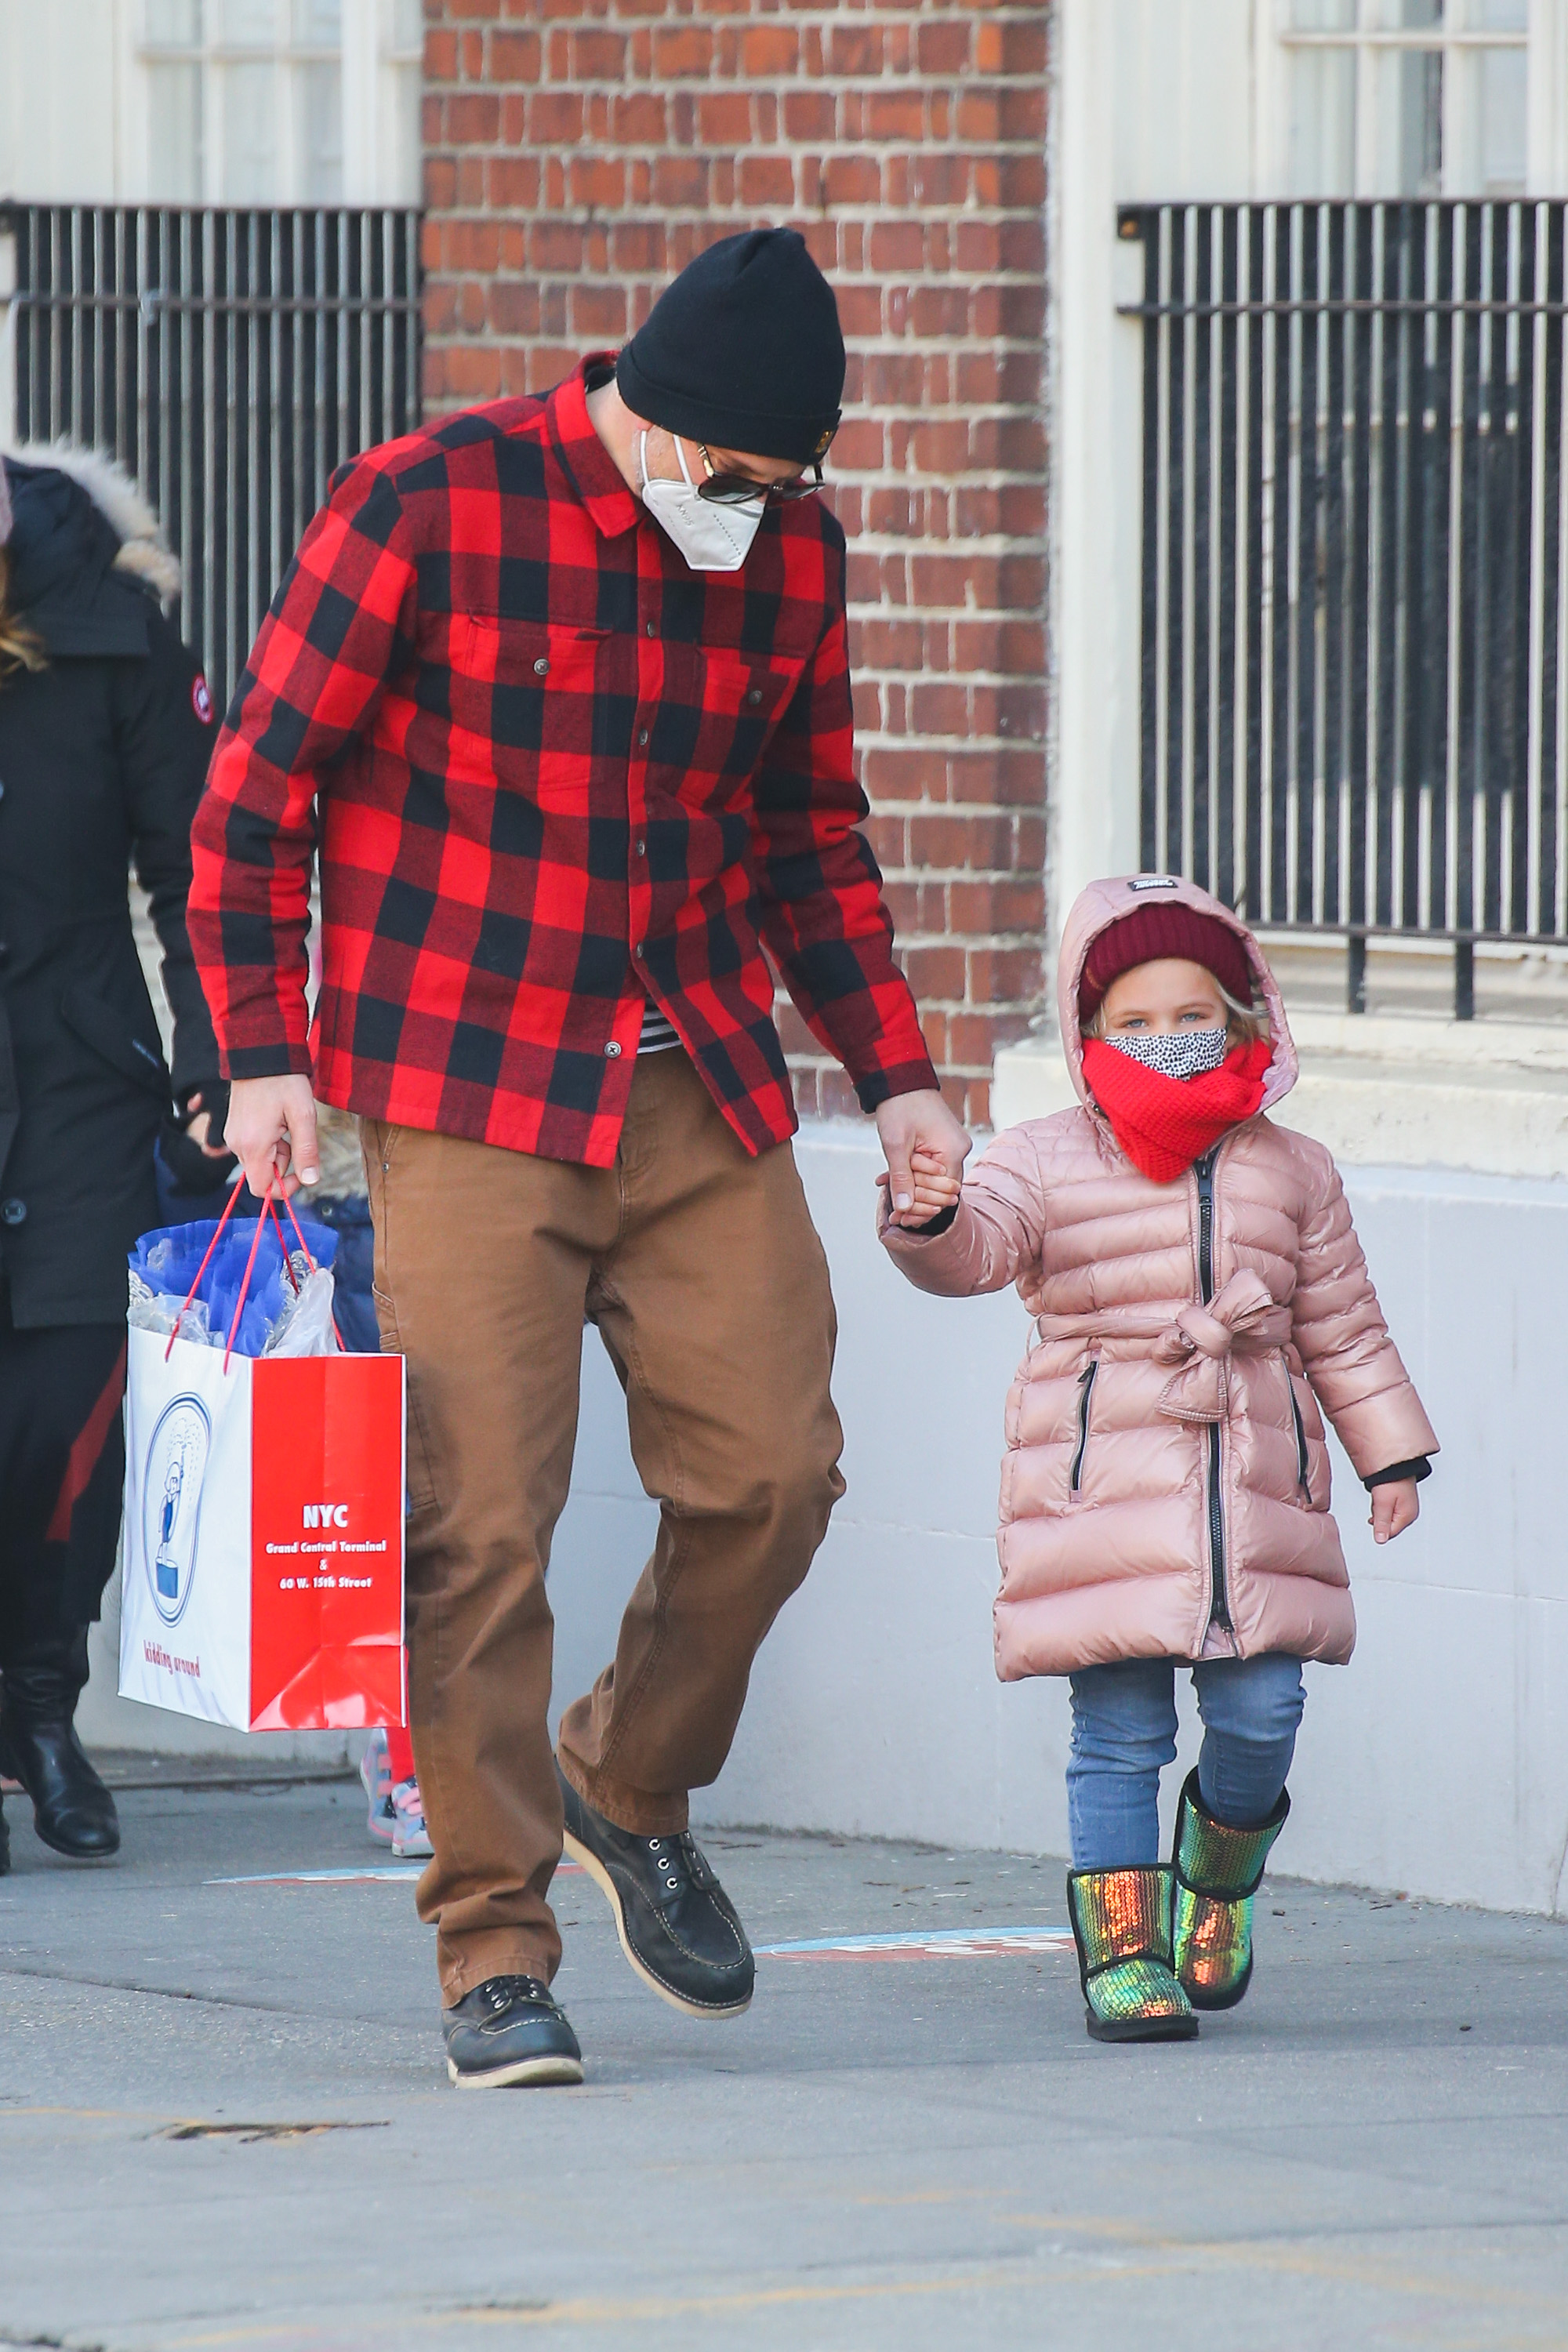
[703, 1272]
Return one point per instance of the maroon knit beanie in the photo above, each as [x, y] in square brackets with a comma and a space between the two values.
[1149, 933]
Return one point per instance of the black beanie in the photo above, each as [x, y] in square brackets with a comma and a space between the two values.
[742, 350]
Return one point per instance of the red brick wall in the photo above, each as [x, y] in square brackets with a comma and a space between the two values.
[578, 151]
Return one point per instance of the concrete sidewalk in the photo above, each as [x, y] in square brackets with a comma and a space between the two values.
[223, 2119]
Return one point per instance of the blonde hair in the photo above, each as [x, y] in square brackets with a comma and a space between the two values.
[19, 648]
[1246, 1023]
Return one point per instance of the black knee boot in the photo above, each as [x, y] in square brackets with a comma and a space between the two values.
[72, 1810]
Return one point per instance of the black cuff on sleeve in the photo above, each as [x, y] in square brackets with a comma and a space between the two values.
[939, 1224]
[1418, 1467]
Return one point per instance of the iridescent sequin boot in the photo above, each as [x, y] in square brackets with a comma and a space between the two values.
[1122, 1925]
[1218, 1870]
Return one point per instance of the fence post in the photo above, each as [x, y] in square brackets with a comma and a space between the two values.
[7, 335]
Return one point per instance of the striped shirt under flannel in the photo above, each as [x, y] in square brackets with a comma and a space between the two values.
[555, 774]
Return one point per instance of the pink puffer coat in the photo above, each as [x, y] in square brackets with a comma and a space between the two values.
[1165, 1487]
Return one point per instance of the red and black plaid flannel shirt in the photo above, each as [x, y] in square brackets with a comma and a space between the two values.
[556, 773]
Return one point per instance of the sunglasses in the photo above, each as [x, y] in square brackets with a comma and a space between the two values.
[736, 489]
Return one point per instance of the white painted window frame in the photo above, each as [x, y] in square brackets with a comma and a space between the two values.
[1545, 43]
[370, 57]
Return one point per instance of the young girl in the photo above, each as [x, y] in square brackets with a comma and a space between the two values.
[1199, 1294]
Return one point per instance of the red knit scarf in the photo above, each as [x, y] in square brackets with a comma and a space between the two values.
[1164, 1124]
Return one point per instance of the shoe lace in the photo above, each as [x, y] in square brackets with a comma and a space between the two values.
[679, 1863]
[500, 1993]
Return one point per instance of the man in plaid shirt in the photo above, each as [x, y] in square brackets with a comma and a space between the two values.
[559, 689]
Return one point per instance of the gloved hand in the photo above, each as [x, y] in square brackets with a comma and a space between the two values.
[190, 1142]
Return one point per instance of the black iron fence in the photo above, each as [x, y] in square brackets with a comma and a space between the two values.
[230, 360]
[1354, 699]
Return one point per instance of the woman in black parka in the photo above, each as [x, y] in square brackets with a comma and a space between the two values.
[106, 728]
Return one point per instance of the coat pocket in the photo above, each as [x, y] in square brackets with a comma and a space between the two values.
[1303, 1467]
[1313, 1492]
[1085, 1402]
[105, 1029]
[529, 705]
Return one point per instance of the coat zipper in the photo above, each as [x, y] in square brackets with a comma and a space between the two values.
[1219, 1606]
[1085, 1391]
[1304, 1468]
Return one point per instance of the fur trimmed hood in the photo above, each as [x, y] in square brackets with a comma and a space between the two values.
[145, 553]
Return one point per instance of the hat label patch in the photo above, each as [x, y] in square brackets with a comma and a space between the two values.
[1155, 882]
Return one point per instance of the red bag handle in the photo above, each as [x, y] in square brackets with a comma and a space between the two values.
[305, 1245]
[268, 1208]
[244, 1285]
[271, 1206]
[234, 1193]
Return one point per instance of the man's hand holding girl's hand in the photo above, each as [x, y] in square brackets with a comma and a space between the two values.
[1394, 1507]
[934, 1189]
[920, 1128]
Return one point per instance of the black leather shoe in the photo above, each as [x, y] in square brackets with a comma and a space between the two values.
[72, 1810]
[508, 2030]
[677, 1928]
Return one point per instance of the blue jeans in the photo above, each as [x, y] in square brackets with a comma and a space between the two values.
[1124, 1730]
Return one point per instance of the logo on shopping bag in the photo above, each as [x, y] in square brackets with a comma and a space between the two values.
[172, 1505]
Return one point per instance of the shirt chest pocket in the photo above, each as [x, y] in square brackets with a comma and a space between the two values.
[526, 706]
[718, 712]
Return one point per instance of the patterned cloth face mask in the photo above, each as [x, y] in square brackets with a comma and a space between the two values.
[1175, 1053]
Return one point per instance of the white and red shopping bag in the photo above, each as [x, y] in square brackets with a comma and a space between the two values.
[263, 1563]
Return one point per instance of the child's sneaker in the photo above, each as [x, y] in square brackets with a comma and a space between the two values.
[376, 1776]
[410, 1838]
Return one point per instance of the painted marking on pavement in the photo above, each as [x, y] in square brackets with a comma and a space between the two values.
[937, 1943]
[325, 1877]
[344, 1877]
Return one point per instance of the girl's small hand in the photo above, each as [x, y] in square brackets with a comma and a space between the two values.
[933, 1190]
[1394, 1507]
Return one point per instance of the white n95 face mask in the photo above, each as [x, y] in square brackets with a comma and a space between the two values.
[1175, 1052]
[711, 537]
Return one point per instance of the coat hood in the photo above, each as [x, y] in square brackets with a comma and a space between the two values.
[1104, 903]
[85, 550]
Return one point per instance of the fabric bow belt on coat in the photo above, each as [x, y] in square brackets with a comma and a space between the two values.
[1242, 1316]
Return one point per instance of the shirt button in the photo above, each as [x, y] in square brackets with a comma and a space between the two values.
[637, 951]
[541, 666]
[642, 849]
[652, 630]
[611, 1053]
[12, 1212]
[755, 695]
[642, 737]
